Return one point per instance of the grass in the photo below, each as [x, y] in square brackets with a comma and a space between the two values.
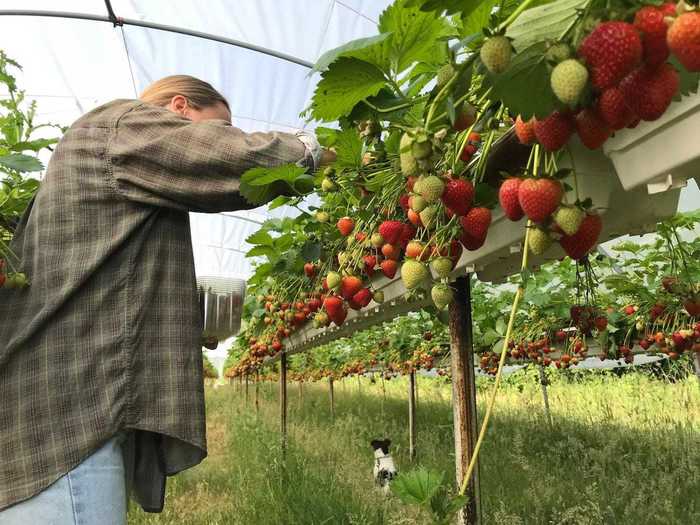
[621, 450]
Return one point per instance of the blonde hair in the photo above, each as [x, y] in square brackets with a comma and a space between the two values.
[199, 94]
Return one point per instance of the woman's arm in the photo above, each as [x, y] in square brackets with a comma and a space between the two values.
[161, 159]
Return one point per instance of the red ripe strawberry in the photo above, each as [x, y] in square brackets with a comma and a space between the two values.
[391, 231]
[539, 198]
[336, 309]
[391, 251]
[475, 225]
[612, 50]
[684, 40]
[360, 236]
[601, 322]
[525, 131]
[508, 198]
[591, 128]
[649, 20]
[467, 153]
[314, 304]
[345, 226]
[417, 250]
[471, 243]
[455, 251]
[613, 108]
[310, 269]
[370, 263]
[554, 131]
[407, 233]
[403, 201]
[580, 243]
[649, 92]
[349, 286]
[458, 195]
[363, 297]
[389, 267]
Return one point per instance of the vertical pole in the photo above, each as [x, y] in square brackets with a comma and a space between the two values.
[545, 397]
[359, 386]
[696, 362]
[257, 392]
[301, 394]
[332, 396]
[464, 395]
[246, 389]
[415, 387]
[383, 387]
[283, 400]
[412, 416]
[240, 383]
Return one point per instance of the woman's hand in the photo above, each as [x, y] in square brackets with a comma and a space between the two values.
[327, 157]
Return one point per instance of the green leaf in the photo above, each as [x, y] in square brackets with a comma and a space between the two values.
[33, 145]
[21, 163]
[524, 87]
[546, 22]
[279, 201]
[261, 251]
[476, 18]
[485, 195]
[346, 82]
[688, 81]
[261, 185]
[311, 251]
[501, 326]
[354, 45]
[349, 149]
[417, 487]
[415, 35]
[260, 237]
[326, 136]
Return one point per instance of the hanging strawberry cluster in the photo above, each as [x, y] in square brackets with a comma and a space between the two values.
[620, 75]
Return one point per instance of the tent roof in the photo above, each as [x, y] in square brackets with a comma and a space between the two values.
[71, 66]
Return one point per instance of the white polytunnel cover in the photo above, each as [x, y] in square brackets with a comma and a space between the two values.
[72, 65]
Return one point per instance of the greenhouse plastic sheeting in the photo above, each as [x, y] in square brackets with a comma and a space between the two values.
[71, 66]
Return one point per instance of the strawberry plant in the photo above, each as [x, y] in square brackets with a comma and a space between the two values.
[19, 156]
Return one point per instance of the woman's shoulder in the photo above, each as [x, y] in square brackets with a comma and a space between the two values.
[109, 114]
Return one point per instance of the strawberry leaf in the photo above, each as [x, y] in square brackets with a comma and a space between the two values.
[546, 22]
[261, 185]
[346, 82]
[524, 87]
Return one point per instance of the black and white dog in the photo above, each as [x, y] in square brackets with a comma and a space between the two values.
[384, 468]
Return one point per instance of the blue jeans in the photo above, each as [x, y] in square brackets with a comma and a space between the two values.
[93, 493]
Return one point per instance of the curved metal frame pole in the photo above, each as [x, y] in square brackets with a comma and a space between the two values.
[158, 27]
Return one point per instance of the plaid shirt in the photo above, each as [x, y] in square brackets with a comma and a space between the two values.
[107, 337]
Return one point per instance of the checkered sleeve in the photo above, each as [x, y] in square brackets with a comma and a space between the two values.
[159, 158]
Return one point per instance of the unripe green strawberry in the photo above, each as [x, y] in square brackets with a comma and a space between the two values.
[328, 185]
[322, 216]
[496, 53]
[333, 279]
[442, 266]
[378, 296]
[569, 219]
[427, 216]
[538, 241]
[417, 203]
[421, 148]
[442, 296]
[409, 166]
[376, 240]
[431, 188]
[558, 52]
[445, 73]
[568, 81]
[413, 273]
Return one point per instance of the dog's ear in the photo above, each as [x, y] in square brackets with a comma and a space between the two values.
[375, 444]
